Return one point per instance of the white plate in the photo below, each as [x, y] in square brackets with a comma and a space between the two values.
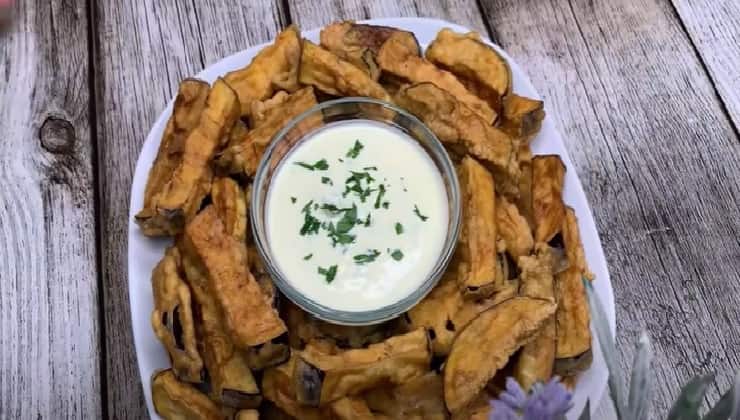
[144, 252]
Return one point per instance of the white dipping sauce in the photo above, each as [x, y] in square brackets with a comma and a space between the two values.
[357, 266]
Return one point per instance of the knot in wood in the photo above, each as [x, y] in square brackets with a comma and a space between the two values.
[57, 135]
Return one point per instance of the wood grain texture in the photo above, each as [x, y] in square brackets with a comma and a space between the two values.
[714, 28]
[658, 160]
[49, 336]
[144, 49]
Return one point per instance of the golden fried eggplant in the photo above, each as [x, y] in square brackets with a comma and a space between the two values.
[471, 60]
[478, 409]
[175, 400]
[231, 205]
[247, 313]
[548, 176]
[359, 43]
[478, 236]
[524, 202]
[419, 398]
[512, 228]
[261, 109]
[396, 58]
[536, 276]
[242, 156]
[486, 344]
[321, 377]
[247, 415]
[573, 246]
[180, 197]
[463, 132]
[277, 387]
[172, 318]
[189, 104]
[267, 355]
[349, 408]
[329, 73]
[274, 68]
[522, 117]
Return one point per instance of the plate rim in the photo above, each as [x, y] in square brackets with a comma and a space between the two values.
[416, 25]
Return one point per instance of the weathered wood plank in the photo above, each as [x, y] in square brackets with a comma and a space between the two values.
[144, 49]
[49, 330]
[714, 28]
[658, 160]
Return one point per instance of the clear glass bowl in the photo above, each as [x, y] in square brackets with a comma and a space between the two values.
[301, 127]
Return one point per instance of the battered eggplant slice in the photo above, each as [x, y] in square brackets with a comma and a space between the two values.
[261, 109]
[536, 359]
[419, 398]
[486, 344]
[331, 74]
[478, 235]
[175, 400]
[277, 387]
[274, 68]
[573, 246]
[522, 116]
[359, 44]
[172, 318]
[512, 228]
[189, 104]
[231, 205]
[247, 313]
[471, 60]
[524, 202]
[398, 59]
[478, 409]
[321, 378]
[548, 176]
[463, 132]
[267, 355]
[242, 155]
[247, 415]
[348, 408]
[180, 197]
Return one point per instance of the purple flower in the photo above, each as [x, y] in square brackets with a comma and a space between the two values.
[544, 402]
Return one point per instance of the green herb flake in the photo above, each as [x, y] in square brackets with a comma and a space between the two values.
[307, 207]
[310, 226]
[367, 220]
[320, 165]
[399, 228]
[328, 273]
[326, 180]
[397, 255]
[386, 204]
[293, 200]
[381, 193]
[370, 168]
[355, 150]
[308, 257]
[371, 255]
[418, 213]
[354, 184]
[334, 209]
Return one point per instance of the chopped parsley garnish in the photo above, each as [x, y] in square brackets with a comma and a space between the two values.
[418, 213]
[386, 204]
[307, 207]
[334, 209]
[311, 224]
[355, 184]
[371, 255]
[328, 273]
[367, 220]
[381, 193]
[340, 160]
[370, 168]
[308, 257]
[397, 255]
[399, 228]
[355, 150]
[339, 234]
[348, 220]
[293, 200]
[320, 165]
[326, 180]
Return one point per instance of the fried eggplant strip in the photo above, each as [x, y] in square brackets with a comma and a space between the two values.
[189, 104]
[486, 344]
[512, 228]
[247, 313]
[573, 245]
[247, 415]
[321, 377]
[261, 109]
[277, 386]
[548, 177]
[524, 202]
[331, 74]
[348, 408]
[243, 155]
[419, 398]
[359, 44]
[174, 400]
[231, 205]
[522, 117]
[471, 60]
[464, 132]
[172, 318]
[275, 67]
[396, 58]
[478, 235]
[180, 197]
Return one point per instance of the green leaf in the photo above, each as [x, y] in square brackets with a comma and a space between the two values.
[399, 228]
[397, 255]
[689, 402]
[728, 406]
[371, 255]
[328, 273]
[608, 349]
[326, 180]
[320, 165]
[348, 220]
[586, 413]
[418, 213]
[293, 200]
[638, 401]
[355, 150]
[308, 257]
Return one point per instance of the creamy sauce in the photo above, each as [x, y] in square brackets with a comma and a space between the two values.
[399, 229]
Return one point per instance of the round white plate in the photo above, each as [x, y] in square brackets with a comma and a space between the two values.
[144, 252]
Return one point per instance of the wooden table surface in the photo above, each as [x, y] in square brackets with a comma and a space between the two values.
[645, 92]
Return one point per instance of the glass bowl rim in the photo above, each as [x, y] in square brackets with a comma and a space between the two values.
[393, 310]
